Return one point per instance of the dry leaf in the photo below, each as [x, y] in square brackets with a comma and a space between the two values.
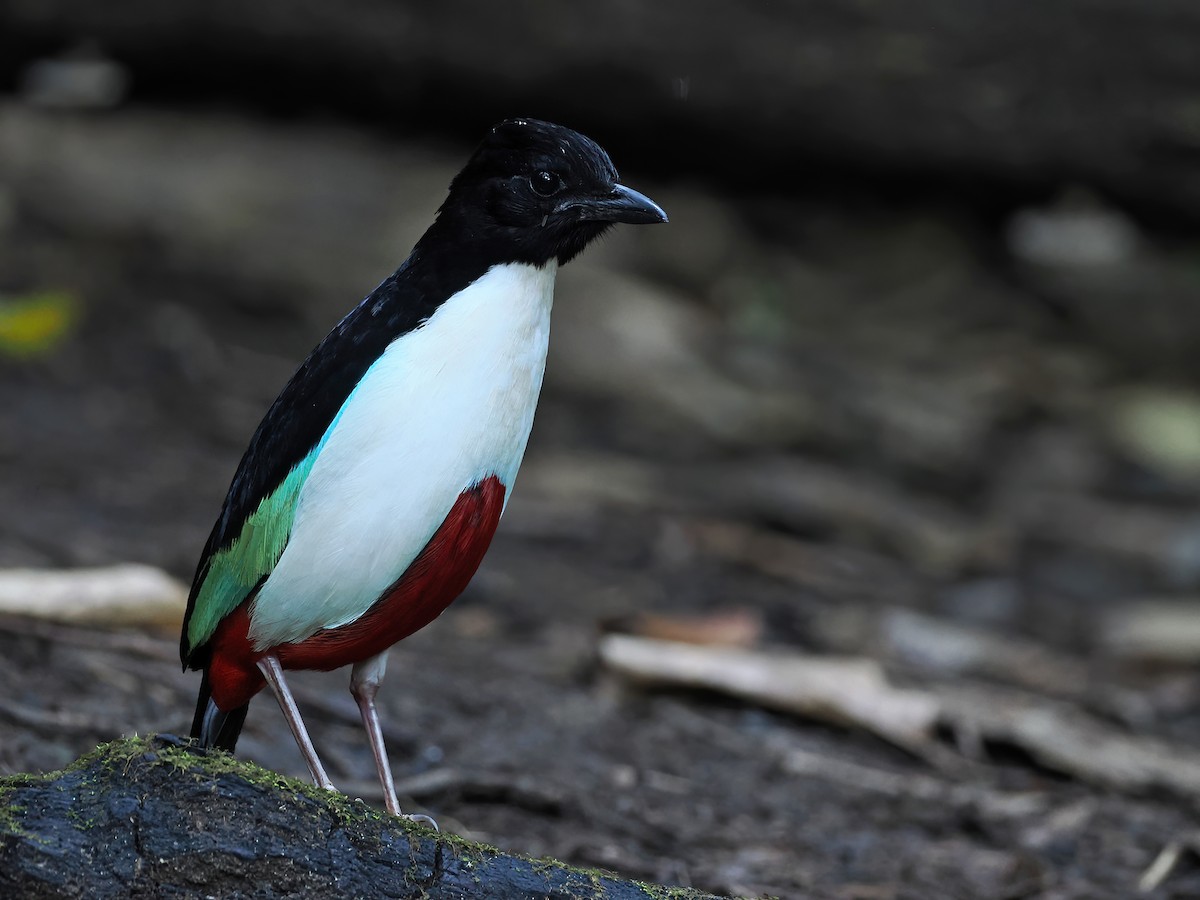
[1164, 631]
[1065, 739]
[727, 628]
[128, 594]
[844, 690]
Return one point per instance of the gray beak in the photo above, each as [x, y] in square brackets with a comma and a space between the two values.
[622, 205]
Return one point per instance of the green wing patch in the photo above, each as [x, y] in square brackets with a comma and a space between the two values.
[233, 572]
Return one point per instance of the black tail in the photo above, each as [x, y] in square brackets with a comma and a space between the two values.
[211, 726]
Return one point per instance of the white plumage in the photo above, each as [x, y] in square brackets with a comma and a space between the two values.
[444, 407]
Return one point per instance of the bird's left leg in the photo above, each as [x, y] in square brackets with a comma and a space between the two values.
[365, 678]
[273, 672]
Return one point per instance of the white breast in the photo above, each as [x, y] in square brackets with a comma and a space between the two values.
[444, 407]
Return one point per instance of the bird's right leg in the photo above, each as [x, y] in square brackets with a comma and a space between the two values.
[273, 672]
[365, 678]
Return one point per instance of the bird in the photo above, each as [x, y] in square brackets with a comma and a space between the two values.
[372, 488]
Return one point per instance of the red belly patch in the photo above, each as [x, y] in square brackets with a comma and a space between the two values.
[439, 574]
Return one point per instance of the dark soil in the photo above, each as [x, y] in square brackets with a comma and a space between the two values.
[949, 439]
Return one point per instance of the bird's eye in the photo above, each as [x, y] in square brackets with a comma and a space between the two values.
[545, 184]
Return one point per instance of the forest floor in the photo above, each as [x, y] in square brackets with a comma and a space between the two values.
[812, 432]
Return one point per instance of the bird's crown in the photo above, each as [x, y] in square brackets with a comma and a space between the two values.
[537, 191]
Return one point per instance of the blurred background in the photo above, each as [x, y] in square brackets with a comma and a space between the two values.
[909, 384]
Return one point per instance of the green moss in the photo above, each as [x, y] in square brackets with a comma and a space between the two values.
[10, 817]
[79, 822]
[594, 879]
[472, 852]
[662, 892]
[12, 814]
[360, 820]
[12, 782]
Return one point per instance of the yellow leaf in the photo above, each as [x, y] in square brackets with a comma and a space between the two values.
[35, 323]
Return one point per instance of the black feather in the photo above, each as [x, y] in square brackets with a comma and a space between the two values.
[492, 215]
[213, 728]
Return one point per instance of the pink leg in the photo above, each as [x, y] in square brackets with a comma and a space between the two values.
[273, 672]
[365, 678]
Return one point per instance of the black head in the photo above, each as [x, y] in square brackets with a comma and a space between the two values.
[535, 191]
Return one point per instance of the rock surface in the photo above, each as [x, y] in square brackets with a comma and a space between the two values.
[147, 817]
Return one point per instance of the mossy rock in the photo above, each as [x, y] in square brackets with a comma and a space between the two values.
[157, 817]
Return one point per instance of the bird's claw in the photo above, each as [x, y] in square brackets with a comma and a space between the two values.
[421, 818]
